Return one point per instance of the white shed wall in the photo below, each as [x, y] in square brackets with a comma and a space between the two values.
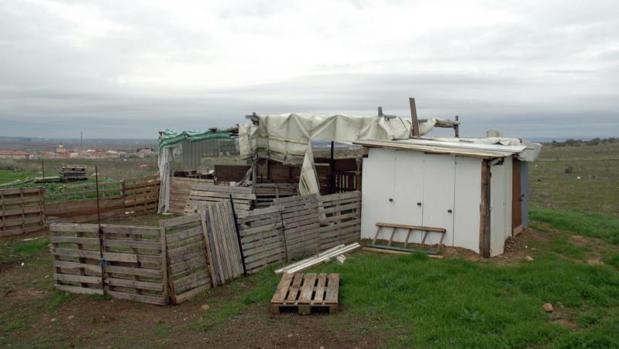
[440, 183]
[467, 203]
[500, 205]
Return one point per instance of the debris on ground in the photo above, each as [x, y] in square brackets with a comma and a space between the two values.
[548, 307]
[319, 258]
[529, 259]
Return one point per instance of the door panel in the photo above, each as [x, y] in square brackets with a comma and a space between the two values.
[438, 196]
[467, 203]
[378, 188]
[409, 191]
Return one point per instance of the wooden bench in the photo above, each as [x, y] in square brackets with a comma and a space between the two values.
[411, 229]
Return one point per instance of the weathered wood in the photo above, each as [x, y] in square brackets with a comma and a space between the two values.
[306, 292]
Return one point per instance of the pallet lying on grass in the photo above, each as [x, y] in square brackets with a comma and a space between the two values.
[203, 194]
[21, 211]
[189, 268]
[305, 293]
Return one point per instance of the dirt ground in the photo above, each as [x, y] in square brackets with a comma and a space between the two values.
[53, 319]
[48, 318]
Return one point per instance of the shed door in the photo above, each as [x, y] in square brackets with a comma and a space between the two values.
[408, 195]
[438, 195]
[378, 189]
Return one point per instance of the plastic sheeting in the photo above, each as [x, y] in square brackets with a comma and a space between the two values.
[285, 137]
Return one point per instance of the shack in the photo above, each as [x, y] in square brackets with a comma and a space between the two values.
[475, 189]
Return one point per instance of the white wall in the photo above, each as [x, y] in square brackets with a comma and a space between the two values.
[439, 182]
[500, 205]
[467, 203]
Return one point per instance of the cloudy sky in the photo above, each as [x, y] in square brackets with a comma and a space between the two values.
[118, 68]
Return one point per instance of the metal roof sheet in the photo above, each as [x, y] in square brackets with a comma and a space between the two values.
[438, 147]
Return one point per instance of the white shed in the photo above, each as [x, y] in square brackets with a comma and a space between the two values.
[473, 189]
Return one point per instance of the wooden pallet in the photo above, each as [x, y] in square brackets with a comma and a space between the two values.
[305, 293]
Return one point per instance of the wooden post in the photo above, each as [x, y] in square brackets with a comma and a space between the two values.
[484, 214]
[414, 121]
[332, 187]
[457, 127]
[380, 111]
[238, 235]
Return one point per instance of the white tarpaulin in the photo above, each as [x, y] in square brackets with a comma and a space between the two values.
[285, 137]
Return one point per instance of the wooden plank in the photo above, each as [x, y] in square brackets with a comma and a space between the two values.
[307, 289]
[333, 286]
[77, 289]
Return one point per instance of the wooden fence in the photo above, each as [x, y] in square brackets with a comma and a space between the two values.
[340, 219]
[267, 192]
[203, 194]
[223, 242]
[189, 267]
[301, 225]
[21, 211]
[180, 187]
[78, 202]
[125, 262]
[262, 238]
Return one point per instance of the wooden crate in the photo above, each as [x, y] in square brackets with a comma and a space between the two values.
[21, 211]
[189, 268]
[305, 293]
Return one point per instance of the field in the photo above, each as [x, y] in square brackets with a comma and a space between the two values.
[569, 258]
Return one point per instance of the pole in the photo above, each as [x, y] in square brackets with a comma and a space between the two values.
[414, 121]
[457, 127]
[99, 232]
[238, 236]
[332, 168]
[43, 169]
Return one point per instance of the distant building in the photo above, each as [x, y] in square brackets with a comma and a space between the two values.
[14, 154]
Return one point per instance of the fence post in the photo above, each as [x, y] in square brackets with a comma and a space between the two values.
[238, 235]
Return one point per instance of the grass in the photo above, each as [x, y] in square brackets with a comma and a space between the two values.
[586, 224]
[12, 175]
[457, 303]
[581, 178]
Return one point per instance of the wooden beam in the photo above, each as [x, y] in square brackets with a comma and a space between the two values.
[484, 214]
[414, 120]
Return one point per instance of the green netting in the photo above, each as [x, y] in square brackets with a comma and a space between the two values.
[169, 137]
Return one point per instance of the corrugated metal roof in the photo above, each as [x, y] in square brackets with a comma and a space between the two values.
[438, 147]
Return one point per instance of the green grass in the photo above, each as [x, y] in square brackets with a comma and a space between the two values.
[457, 303]
[10, 175]
[586, 224]
[582, 178]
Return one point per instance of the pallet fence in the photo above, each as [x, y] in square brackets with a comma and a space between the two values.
[77, 203]
[301, 225]
[203, 194]
[189, 266]
[262, 238]
[223, 242]
[180, 187]
[21, 211]
[125, 262]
